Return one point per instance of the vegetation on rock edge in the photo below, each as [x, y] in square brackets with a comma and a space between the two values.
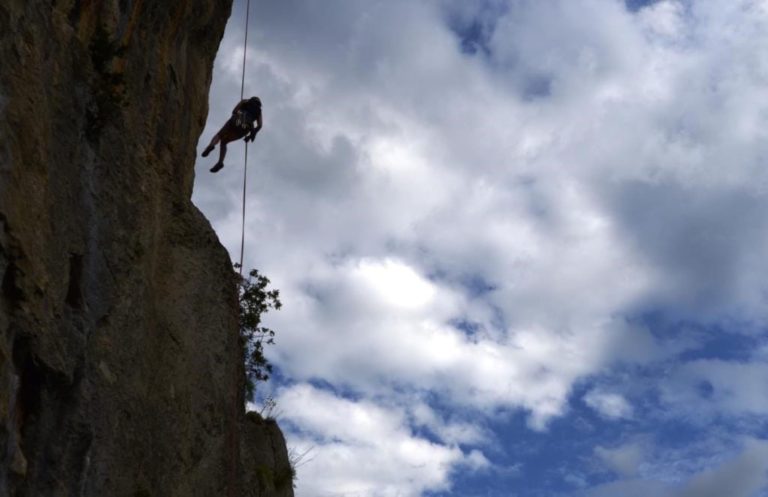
[255, 299]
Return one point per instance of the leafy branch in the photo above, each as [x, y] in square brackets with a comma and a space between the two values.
[255, 299]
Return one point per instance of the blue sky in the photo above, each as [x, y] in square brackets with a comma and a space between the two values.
[520, 244]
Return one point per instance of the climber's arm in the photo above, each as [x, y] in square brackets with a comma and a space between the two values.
[258, 126]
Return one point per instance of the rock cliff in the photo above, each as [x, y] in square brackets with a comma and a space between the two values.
[120, 367]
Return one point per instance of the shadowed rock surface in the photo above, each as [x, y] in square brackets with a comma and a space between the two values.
[120, 367]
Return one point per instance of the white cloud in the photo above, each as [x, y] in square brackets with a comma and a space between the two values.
[357, 334]
[362, 448]
[665, 20]
[610, 405]
[395, 283]
[709, 388]
[478, 228]
[742, 474]
[625, 460]
[739, 477]
[452, 432]
[628, 488]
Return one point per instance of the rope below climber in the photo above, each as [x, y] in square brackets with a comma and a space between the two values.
[238, 126]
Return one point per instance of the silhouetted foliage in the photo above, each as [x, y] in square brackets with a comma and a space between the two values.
[255, 299]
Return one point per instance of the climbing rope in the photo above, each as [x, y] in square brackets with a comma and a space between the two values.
[245, 162]
[233, 489]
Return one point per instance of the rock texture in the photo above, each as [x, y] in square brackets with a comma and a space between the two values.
[120, 367]
[265, 455]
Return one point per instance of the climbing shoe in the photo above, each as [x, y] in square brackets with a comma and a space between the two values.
[208, 150]
[217, 167]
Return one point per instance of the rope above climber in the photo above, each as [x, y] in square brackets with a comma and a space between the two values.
[238, 126]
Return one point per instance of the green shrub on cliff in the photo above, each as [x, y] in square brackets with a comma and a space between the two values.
[255, 299]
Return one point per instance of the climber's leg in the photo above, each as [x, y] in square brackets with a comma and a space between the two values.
[222, 154]
[216, 139]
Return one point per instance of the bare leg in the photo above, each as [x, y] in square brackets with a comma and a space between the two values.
[211, 145]
[222, 153]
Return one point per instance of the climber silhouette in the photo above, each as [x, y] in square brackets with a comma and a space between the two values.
[238, 126]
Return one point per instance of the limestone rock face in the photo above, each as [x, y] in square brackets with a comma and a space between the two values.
[120, 367]
[265, 457]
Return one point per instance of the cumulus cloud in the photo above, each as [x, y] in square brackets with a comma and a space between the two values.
[469, 204]
[714, 387]
[739, 477]
[362, 448]
[610, 405]
[743, 474]
[625, 459]
[368, 333]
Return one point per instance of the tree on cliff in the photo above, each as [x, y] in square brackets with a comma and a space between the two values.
[255, 299]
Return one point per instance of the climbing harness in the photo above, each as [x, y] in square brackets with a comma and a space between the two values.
[241, 121]
[245, 162]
